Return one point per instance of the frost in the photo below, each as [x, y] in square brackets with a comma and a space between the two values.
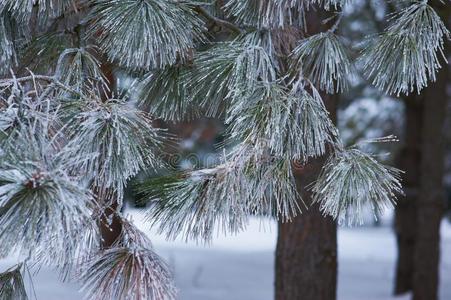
[350, 181]
[144, 34]
[129, 270]
[324, 60]
[122, 143]
[406, 56]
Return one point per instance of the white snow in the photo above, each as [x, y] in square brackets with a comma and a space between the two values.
[241, 267]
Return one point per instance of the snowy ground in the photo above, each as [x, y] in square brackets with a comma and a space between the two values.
[241, 267]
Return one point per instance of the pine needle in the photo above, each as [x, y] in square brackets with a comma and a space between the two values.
[12, 286]
[145, 34]
[406, 56]
[324, 60]
[352, 180]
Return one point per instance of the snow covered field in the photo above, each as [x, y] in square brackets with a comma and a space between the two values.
[241, 267]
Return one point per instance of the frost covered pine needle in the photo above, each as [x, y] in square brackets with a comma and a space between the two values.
[268, 13]
[12, 285]
[204, 202]
[79, 69]
[40, 203]
[164, 92]
[292, 124]
[404, 57]
[228, 70]
[129, 274]
[145, 34]
[120, 139]
[352, 180]
[8, 56]
[130, 270]
[324, 59]
[23, 9]
[330, 4]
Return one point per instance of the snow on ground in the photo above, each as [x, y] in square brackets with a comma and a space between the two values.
[241, 267]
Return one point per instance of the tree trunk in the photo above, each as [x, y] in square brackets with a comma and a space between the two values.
[405, 213]
[430, 203]
[306, 254]
[419, 214]
[110, 226]
[110, 223]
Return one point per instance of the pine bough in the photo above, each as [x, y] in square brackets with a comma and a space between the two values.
[70, 142]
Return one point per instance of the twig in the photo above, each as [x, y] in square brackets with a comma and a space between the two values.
[50, 79]
[337, 23]
[226, 24]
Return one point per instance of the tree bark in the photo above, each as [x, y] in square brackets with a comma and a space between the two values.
[430, 203]
[419, 214]
[405, 213]
[110, 226]
[110, 223]
[306, 254]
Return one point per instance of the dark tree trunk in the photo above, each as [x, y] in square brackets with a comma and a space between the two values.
[110, 224]
[430, 203]
[419, 214]
[405, 213]
[306, 254]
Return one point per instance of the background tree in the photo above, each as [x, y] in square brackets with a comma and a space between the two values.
[72, 138]
[419, 214]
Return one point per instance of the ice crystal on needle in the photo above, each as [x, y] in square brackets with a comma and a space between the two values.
[130, 270]
[40, 203]
[122, 140]
[407, 54]
[324, 59]
[350, 181]
[12, 284]
[144, 34]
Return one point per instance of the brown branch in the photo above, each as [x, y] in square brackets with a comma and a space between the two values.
[223, 23]
[50, 79]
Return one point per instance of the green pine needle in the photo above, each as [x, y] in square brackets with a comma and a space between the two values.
[352, 180]
[324, 60]
[12, 285]
[145, 34]
[293, 125]
[406, 56]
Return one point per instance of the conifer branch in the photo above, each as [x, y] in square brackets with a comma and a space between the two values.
[220, 22]
[12, 284]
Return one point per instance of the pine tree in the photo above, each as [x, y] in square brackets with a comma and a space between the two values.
[71, 140]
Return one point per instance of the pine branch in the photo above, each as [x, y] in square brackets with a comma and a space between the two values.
[164, 92]
[324, 60]
[220, 22]
[11, 82]
[204, 202]
[12, 285]
[122, 139]
[228, 71]
[293, 125]
[145, 34]
[351, 180]
[406, 56]
[129, 270]
[40, 202]
[78, 69]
